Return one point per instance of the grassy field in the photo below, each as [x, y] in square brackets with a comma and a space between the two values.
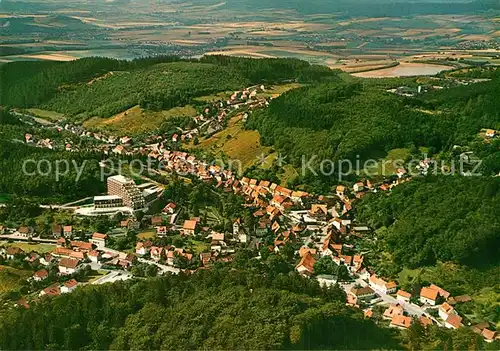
[199, 246]
[389, 164]
[27, 247]
[50, 115]
[289, 173]
[135, 120]
[214, 97]
[149, 235]
[10, 278]
[236, 143]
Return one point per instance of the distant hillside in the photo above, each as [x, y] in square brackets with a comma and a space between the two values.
[343, 120]
[103, 87]
[377, 8]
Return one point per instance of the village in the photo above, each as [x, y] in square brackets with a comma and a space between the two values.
[321, 228]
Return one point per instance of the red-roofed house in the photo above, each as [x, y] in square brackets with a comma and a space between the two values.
[401, 322]
[68, 266]
[189, 227]
[454, 321]
[142, 248]
[428, 296]
[306, 265]
[81, 246]
[445, 310]
[99, 240]
[67, 231]
[156, 253]
[40, 275]
[69, 286]
[403, 296]
[53, 290]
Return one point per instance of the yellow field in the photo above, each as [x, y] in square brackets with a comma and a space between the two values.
[277, 90]
[236, 143]
[146, 235]
[135, 120]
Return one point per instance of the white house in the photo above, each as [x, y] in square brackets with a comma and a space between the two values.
[403, 296]
[381, 285]
[445, 310]
[454, 321]
[93, 256]
[69, 286]
[99, 240]
[40, 275]
[142, 248]
[428, 296]
[68, 266]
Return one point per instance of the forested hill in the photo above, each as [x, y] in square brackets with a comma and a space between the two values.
[217, 309]
[103, 87]
[439, 219]
[342, 120]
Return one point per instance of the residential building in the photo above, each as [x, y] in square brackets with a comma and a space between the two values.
[425, 321]
[53, 290]
[393, 310]
[400, 322]
[381, 285]
[362, 293]
[428, 296]
[56, 230]
[161, 230]
[443, 293]
[306, 265]
[142, 248]
[403, 296]
[126, 189]
[68, 266]
[67, 231]
[445, 310]
[26, 232]
[156, 252]
[454, 321]
[40, 275]
[189, 227]
[81, 246]
[69, 286]
[489, 335]
[99, 240]
[12, 252]
[94, 256]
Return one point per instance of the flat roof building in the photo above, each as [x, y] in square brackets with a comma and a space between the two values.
[108, 201]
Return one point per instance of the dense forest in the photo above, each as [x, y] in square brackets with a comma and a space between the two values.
[218, 309]
[44, 185]
[439, 219]
[103, 87]
[341, 119]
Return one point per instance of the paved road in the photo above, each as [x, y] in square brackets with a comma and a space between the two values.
[113, 276]
[163, 268]
[410, 308]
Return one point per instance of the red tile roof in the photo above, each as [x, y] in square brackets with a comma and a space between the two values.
[429, 293]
